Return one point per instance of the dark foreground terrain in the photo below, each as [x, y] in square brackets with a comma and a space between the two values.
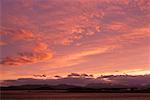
[61, 95]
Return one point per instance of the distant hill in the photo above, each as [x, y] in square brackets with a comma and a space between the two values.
[77, 83]
[72, 88]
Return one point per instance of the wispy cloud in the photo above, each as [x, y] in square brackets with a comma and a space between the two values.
[79, 57]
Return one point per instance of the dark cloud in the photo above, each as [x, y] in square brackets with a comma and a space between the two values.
[118, 80]
[57, 76]
[40, 75]
[73, 75]
[76, 75]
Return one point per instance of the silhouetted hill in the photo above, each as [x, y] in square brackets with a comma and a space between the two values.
[83, 83]
[41, 87]
[72, 88]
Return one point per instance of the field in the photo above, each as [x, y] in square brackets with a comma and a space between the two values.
[49, 95]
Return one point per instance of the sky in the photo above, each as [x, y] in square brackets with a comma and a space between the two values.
[58, 37]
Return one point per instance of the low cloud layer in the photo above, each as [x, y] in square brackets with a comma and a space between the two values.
[85, 80]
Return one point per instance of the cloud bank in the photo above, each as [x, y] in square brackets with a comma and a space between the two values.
[86, 80]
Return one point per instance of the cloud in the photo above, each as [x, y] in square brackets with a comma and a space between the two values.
[17, 34]
[128, 34]
[57, 76]
[40, 75]
[79, 33]
[137, 71]
[22, 35]
[32, 49]
[142, 32]
[136, 33]
[64, 30]
[26, 58]
[39, 47]
[2, 43]
[75, 58]
[28, 31]
[76, 75]
[101, 81]
[117, 26]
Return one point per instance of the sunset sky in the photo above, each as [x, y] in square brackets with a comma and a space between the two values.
[58, 37]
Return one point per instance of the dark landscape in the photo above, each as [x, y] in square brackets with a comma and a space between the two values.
[61, 95]
[76, 89]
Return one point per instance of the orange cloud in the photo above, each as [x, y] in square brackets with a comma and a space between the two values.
[40, 47]
[23, 35]
[136, 71]
[2, 32]
[137, 33]
[2, 43]
[79, 57]
[26, 58]
[128, 34]
[80, 22]
[117, 26]
[95, 26]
